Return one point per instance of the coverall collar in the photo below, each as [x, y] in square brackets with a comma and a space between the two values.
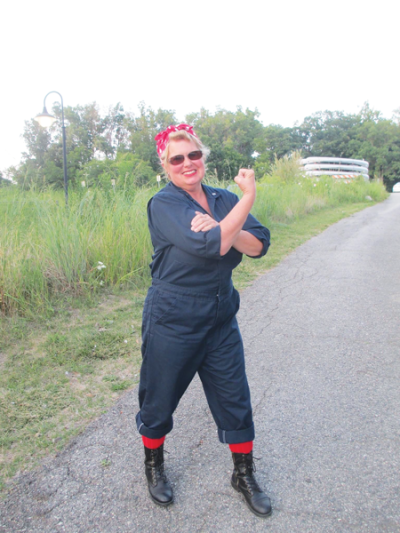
[210, 192]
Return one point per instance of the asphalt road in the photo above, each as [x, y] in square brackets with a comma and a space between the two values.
[322, 338]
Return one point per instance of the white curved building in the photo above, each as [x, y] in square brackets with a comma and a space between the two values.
[337, 167]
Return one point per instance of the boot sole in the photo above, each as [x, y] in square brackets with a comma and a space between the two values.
[249, 506]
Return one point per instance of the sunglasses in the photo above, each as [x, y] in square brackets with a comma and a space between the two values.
[179, 159]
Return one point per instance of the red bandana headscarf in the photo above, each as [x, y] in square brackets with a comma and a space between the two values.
[162, 138]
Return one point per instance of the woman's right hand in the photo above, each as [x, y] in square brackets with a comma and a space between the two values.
[246, 181]
[203, 222]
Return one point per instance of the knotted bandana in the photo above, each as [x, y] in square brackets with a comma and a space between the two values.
[162, 137]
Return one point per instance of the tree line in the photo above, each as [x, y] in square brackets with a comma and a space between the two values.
[118, 149]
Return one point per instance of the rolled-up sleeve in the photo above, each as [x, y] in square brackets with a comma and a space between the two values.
[252, 225]
[260, 232]
[170, 221]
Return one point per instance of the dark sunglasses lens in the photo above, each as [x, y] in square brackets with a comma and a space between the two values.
[177, 160]
[194, 156]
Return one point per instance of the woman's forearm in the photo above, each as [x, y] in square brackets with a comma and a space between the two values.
[232, 224]
[248, 244]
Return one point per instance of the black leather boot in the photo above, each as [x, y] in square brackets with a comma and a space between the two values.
[159, 486]
[244, 481]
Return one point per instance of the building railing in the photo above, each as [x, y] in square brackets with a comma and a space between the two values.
[337, 167]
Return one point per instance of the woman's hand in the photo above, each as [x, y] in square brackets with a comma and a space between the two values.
[246, 181]
[203, 222]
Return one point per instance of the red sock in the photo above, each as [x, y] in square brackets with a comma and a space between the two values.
[242, 447]
[152, 443]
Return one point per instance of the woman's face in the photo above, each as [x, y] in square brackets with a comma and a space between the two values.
[187, 175]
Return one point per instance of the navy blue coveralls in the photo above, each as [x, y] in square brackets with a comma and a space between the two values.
[189, 317]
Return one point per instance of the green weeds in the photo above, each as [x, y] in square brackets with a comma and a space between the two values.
[50, 254]
[56, 379]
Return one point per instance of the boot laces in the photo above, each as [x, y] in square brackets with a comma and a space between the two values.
[157, 468]
[251, 484]
[157, 474]
[246, 474]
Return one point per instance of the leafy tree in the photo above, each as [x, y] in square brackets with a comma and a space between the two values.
[368, 114]
[127, 171]
[120, 146]
[4, 182]
[263, 164]
[277, 142]
[85, 130]
[232, 138]
[117, 126]
[281, 141]
[328, 133]
[379, 144]
[144, 128]
[366, 135]
[37, 141]
[28, 175]
[86, 135]
[396, 116]
[133, 172]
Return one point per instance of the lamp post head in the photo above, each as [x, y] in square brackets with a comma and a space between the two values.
[45, 119]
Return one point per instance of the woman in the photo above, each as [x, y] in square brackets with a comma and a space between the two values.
[189, 320]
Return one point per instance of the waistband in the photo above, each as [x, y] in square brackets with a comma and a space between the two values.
[222, 291]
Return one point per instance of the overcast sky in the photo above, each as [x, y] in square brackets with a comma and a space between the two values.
[288, 59]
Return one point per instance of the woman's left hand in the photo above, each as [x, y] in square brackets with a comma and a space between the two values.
[203, 222]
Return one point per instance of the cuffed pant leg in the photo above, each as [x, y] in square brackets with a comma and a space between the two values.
[151, 433]
[168, 367]
[236, 437]
[225, 384]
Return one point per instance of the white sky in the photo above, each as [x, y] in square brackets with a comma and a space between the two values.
[287, 58]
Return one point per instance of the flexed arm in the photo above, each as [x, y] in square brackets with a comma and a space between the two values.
[231, 226]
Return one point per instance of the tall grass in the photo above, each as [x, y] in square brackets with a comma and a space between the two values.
[286, 202]
[49, 251]
[286, 193]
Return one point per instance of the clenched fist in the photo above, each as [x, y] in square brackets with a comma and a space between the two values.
[246, 181]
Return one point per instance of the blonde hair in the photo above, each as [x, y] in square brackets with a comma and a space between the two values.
[186, 136]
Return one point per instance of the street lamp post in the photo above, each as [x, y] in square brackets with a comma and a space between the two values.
[46, 120]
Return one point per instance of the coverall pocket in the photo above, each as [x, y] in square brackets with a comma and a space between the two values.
[163, 305]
